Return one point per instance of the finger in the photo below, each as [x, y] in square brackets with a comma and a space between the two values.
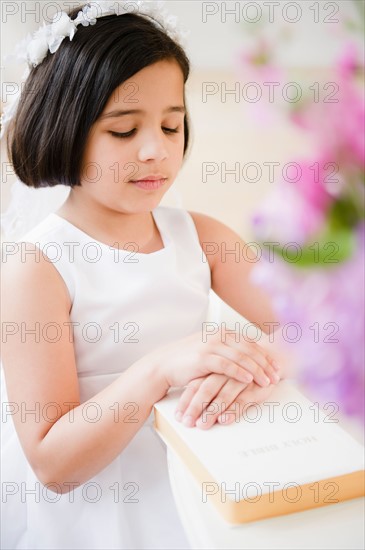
[245, 361]
[267, 364]
[187, 396]
[268, 355]
[221, 365]
[262, 374]
[207, 391]
[263, 359]
[227, 417]
[275, 365]
[226, 396]
[259, 355]
[252, 394]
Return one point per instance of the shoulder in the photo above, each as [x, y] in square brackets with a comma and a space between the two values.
[28, 275]
[209, 227]
[212, 232]
[206, 225]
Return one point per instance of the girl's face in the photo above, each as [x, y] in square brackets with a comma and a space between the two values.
[140, 134]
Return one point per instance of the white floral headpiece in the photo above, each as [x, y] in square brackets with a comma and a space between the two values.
[49, 37]
[34, 48]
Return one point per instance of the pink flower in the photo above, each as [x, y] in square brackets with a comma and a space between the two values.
[296, 210]
[337, 118]
[286, 217]
[348, 61]
[259, 76]
[319, 181]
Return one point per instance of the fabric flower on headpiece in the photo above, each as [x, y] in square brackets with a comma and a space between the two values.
[49, 37]
[88, 16]
[60, 27]
[38, 47]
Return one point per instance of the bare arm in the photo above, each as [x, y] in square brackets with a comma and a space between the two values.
[231, 282]
[70, 448]
[231, 271]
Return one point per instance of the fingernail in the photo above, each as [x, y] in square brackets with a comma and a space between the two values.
[276, 377]
[199, 423]
[266, 381]
[178, 416]
[188, 421]
[248, 378]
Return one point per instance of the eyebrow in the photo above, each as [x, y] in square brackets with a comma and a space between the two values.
[120, 112]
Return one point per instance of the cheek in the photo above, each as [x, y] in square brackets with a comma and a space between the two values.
[179, 153]
[102, 146]
[112, 156]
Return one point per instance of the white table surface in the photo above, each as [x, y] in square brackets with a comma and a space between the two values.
[337, 526]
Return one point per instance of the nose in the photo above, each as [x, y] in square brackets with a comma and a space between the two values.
[152, 146]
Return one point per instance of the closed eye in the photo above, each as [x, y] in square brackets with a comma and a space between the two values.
[131, 132]
[123, 134]
[171, 130]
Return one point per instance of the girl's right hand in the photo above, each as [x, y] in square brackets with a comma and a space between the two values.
[181, 361]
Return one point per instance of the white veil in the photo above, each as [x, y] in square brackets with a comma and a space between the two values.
[28, 207]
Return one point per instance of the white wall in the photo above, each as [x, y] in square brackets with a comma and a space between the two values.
[217, 31]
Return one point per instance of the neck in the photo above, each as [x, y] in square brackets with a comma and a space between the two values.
[106, 224]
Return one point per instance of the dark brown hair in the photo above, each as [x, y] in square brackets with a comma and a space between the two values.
[66, 93]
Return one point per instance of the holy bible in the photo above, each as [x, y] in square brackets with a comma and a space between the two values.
[278, 457]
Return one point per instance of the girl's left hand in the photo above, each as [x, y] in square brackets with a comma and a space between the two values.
[205, 399]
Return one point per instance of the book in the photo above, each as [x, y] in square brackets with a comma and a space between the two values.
[281, 456]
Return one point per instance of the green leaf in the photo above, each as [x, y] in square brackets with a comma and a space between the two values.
[344, 213]
[327, 250]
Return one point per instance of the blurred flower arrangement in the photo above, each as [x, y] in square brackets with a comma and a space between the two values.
[312, 230]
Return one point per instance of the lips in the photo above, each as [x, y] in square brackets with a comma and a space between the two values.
[156, 177]
[150, 183]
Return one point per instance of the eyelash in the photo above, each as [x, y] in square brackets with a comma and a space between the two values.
[131, 132]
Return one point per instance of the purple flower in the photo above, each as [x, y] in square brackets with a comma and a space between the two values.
[328, 307]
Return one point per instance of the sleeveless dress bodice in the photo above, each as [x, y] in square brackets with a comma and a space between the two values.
[124, 305]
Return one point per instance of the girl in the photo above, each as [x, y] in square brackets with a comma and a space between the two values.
[105, 299]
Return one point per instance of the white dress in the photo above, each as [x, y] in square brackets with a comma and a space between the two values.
[126, 304]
